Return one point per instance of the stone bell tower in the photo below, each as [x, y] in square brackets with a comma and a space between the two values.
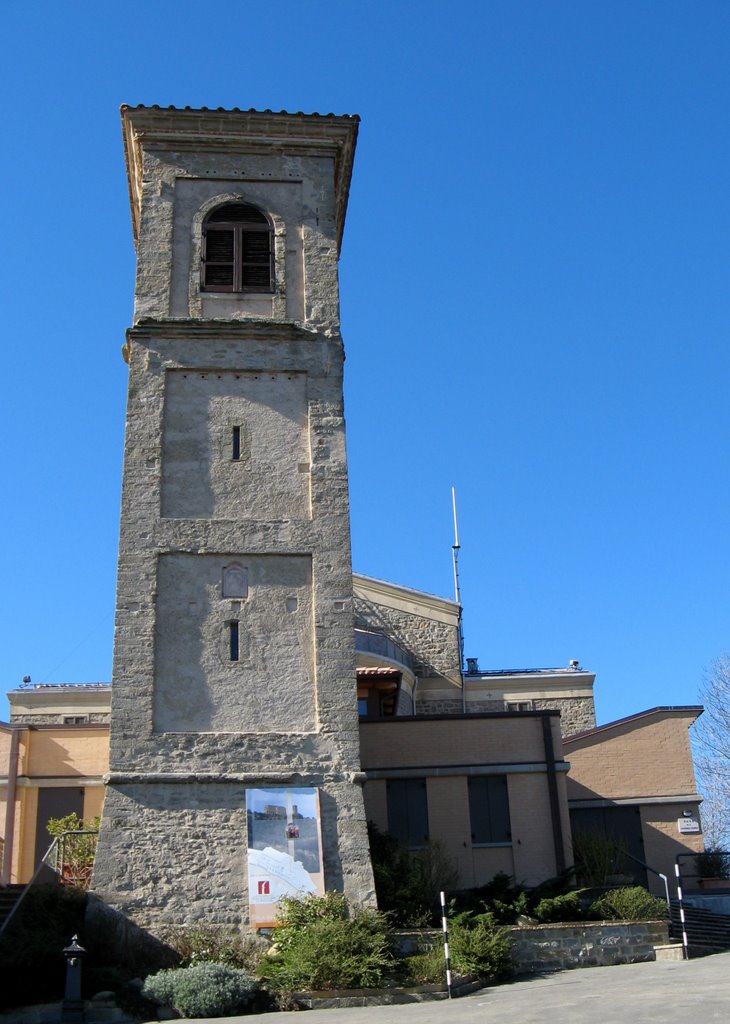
[234, 666]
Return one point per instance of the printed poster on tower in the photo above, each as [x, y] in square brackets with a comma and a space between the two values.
[284, 849]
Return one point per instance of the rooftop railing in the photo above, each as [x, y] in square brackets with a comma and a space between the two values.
[368, 642]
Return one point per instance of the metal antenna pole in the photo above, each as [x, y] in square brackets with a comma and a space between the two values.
[455, 547]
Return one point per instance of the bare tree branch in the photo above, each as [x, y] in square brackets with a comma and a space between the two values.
[711, 742]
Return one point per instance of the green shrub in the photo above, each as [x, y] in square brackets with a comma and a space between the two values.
[201, 943]
[507, 901]
[203, 990]
[501, 897]
[408, 882]
[632, 903]
[478, 947]
[319, 947]
[160, 987]
[424, 968]
[298, 912]
[567, 907]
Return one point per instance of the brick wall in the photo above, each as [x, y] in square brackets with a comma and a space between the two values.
[647, 755]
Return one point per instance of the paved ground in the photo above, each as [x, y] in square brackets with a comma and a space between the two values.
[685, 992]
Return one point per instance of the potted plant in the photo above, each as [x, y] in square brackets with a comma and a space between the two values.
[713, 868]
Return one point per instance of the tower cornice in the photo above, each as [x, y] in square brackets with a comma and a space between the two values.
[239, 131]
[219, 330]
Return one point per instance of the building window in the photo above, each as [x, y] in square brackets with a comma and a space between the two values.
[518, 705]
[75, 719]
[408, 811]
[233, 640]
[238, 250]
[489, 809]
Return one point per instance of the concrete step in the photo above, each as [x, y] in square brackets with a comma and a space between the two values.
[672, 951]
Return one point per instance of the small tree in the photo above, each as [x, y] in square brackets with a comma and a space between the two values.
[711, 741]
[408, 882]
[77, 852]
[597, 856]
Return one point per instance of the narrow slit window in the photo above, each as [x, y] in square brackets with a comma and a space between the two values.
[233, 640]
[236, 444]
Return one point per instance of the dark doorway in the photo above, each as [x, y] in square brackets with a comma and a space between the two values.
[621, 824]
[55, 802]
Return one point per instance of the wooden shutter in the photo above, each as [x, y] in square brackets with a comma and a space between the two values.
[219, 258]
[256, 260]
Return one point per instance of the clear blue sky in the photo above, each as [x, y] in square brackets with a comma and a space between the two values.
[534, 301]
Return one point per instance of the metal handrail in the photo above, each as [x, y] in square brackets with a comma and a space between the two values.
[680, 895]
[659, 874]
[52, 849]
[369, 641]
[50, 859]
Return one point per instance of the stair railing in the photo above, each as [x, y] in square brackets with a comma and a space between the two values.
[48, 860]
[659, 874]
[680, 896]
[55, 859]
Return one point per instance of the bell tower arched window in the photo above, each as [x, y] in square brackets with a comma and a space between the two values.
[238, 250]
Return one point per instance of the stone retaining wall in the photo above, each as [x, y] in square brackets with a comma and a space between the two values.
[559, 947]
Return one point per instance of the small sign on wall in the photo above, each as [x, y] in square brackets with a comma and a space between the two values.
[688, 826]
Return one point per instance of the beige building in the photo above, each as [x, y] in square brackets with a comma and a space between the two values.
[633, 779]
[501, 789]
[50, 768]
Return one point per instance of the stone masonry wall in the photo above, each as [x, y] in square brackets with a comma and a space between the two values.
[94, 718]
[426, 705]
[234, 660]
[538, 949]
[434, 646]
[577, 714]
[559, 947]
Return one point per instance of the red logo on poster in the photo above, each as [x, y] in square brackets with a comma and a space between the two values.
[264, 887]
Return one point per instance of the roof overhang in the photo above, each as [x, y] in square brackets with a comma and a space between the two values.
[241, 132]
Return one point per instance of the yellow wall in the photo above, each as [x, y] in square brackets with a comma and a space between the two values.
[433, 743]
[406, 742]
[47, 756]
[65, 752]
[648, 755]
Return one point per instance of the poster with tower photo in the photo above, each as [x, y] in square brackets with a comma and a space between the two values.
[284, 849]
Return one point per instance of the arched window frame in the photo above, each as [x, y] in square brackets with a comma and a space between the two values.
[240, 247]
